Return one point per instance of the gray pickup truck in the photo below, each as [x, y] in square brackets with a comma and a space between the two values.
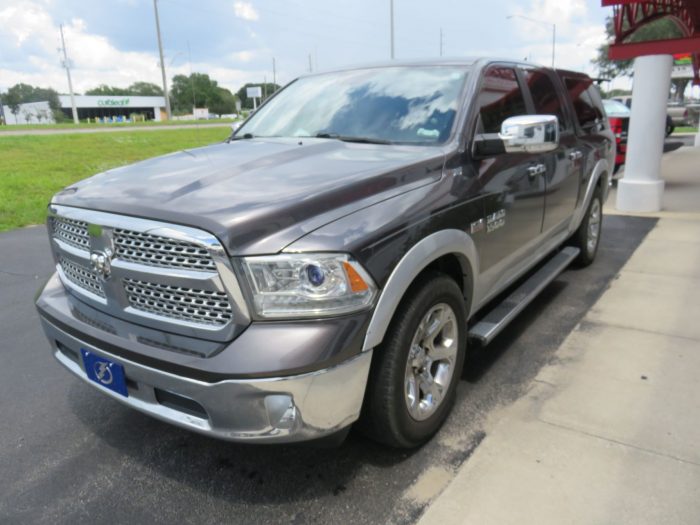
[333, 260]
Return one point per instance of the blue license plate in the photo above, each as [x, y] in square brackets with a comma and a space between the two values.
[104, 372]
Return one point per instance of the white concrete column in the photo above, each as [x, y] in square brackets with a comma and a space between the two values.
[641, 189]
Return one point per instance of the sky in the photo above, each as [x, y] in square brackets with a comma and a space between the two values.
[234, 41]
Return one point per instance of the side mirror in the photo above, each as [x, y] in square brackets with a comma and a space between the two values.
[235, 126]
[530, 134]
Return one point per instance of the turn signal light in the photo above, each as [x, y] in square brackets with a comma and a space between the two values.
[357, 283]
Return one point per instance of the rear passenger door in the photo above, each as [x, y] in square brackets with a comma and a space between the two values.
[564, 166]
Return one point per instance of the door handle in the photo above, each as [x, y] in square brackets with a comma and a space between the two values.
[538, 169]
[575, 155]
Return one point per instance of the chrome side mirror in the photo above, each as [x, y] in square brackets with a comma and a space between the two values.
[530, 134]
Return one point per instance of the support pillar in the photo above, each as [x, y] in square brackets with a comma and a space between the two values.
[641, 189]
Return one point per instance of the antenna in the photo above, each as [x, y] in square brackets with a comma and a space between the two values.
[66, 64]
[441, 41]
[274, 75]
[310, 66]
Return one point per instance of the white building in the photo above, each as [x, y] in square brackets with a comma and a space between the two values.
[104, 108]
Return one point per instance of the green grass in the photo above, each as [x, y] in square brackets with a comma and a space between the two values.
[34, 167]
[86, 125]
[685, 129]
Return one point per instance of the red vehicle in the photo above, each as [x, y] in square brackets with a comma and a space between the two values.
[619, 118]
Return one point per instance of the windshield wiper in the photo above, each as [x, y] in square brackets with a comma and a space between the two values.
[243, 137]
[348, 138]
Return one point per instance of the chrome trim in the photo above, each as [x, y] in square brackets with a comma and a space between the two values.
[277, 409]
[223, 279]
[411, 264]
[601, 169]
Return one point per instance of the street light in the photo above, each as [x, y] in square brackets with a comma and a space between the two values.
[554, 30]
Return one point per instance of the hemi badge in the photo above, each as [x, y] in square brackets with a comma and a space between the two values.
[477, 226]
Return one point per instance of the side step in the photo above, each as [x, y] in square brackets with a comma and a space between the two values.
[497, 319]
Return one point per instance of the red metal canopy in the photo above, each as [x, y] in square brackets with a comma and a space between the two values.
[630, 15]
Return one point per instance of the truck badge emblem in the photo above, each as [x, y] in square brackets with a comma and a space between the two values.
[101, 263]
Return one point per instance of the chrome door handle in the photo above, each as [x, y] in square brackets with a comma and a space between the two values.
[575, 155]
[538, 169]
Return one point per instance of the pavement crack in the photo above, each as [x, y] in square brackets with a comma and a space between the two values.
[637, 329]
[617, 442]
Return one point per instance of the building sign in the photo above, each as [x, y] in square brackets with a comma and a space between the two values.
[111, 102]
[254, 92]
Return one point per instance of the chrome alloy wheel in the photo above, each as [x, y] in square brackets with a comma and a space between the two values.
[593, 226]
[431, 361]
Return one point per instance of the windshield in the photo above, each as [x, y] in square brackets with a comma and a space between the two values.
[616, 109]
[414, 105]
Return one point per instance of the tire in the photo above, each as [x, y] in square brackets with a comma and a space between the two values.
[587, 237]
[389, 415]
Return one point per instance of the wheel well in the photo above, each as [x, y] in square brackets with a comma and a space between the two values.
[451, 265]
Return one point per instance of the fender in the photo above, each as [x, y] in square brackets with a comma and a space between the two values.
[601, 169]
[423, 253]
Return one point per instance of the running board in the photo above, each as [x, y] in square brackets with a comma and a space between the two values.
[497, 319]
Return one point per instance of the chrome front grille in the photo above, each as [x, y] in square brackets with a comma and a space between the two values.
[176, 302]
[71, 232]
[164, 252]
[82, 277]
[115, 263]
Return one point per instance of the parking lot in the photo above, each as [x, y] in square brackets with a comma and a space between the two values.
[71, 455]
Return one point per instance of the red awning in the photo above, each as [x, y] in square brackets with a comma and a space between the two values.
[630, 15]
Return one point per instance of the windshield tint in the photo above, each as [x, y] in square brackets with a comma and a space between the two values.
[615, 108]
[393, 104]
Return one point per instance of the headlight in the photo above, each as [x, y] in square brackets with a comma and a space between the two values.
[307, 285]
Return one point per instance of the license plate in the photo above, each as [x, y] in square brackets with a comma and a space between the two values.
[104, 372]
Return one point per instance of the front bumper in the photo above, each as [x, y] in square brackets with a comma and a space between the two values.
[287, 407]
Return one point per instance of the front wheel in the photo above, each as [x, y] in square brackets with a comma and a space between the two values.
[416, 369]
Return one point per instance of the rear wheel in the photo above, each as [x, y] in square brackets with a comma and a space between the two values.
[416, 369]
[587, 237]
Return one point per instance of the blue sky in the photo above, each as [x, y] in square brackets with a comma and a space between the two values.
[234, 41]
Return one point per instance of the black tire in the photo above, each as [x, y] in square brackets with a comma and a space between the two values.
[584, 233]
[386, 416]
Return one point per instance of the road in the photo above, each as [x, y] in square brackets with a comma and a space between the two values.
[71, 455]
[106, 129]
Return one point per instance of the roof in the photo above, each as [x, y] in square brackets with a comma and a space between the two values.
[630, 15]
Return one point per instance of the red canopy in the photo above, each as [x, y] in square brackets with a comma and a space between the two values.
[630, 15]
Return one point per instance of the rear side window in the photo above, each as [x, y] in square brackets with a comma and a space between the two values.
[586, 100]
[500, 98]
[545, 95]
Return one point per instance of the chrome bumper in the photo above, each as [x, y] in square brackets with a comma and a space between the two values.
[286, 409]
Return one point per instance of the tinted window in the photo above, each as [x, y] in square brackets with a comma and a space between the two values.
[585, 99]
[545, 95]
[500, 97]
[397, 104]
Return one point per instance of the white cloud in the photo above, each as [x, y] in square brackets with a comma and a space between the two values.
[245, 10]
[32, 34]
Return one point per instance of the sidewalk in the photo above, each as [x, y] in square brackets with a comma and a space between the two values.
[610, 432]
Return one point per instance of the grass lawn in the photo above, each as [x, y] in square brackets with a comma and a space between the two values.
[685, 129]
[34, 167]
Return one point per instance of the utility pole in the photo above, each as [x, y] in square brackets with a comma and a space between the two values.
[66, 64]
[391, 26]
[162, 63]
[274, 74]
[441, 41]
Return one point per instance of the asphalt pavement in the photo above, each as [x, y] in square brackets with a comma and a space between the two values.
[71, 455]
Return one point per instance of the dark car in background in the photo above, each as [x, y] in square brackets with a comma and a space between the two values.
[619, 119]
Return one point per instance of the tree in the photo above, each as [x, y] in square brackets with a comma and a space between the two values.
[13, 101]
[105, 90]
[267, 90]
[24, 93]
[198, 90]
[658, 30]
[144, 89]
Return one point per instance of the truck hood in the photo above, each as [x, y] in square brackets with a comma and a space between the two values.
[259, 195]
